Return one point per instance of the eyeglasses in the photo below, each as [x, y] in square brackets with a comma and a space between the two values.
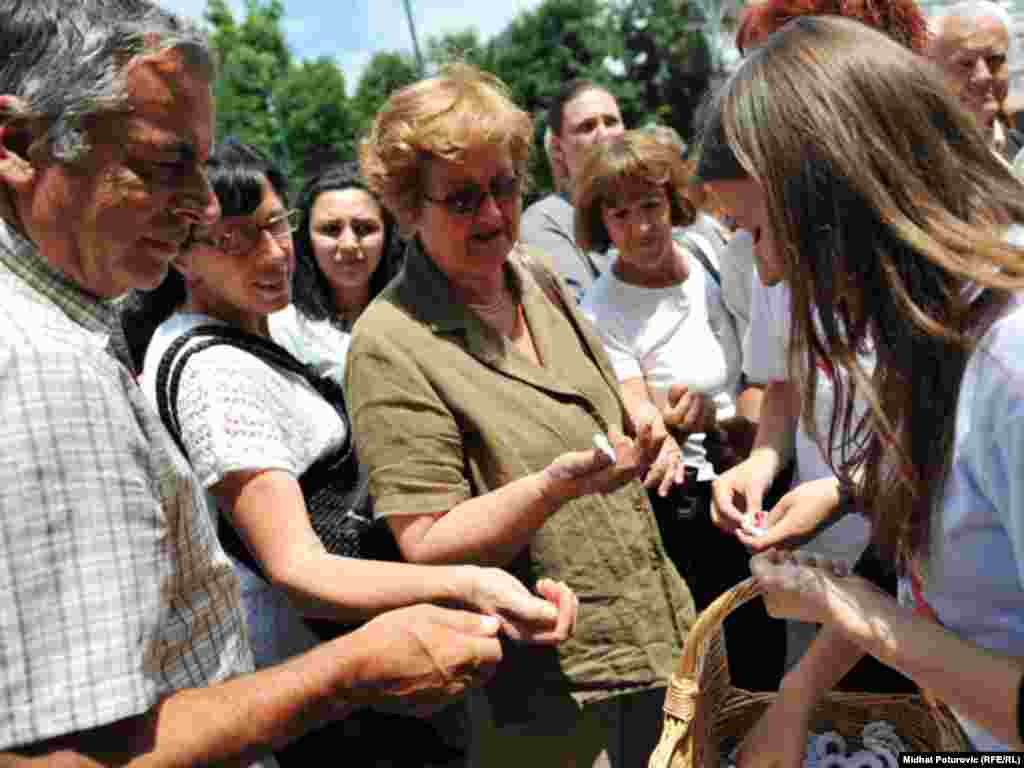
[245, 239]
[467, 201]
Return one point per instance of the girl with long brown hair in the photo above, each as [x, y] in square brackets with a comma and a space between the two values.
[874, 195]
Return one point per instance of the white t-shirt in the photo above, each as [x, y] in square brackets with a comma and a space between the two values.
[682, 334]
[764, 360]
[317, 343]
[974, 576]
[765, 351]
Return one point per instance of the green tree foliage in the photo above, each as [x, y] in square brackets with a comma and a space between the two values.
[666, 58]
[386, 72]
[254, 59]
[674, 50]
[656, 56]
[298, 113]
[314, 115]
[464, 45]
[558, 41]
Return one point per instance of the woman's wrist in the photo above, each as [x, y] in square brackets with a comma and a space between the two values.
[548, 491]
[462, 586]
[799, 694]
[767, 461]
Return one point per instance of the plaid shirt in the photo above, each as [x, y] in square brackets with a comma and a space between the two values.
[113, 588]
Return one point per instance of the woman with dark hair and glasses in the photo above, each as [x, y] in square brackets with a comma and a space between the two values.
[346, 250]
[251, 429]
[477, 389]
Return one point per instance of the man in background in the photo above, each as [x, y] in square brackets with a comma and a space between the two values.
[969, 41]
[582, 114]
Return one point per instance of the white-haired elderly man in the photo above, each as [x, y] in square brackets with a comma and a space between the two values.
[120, 628]
[970, 41]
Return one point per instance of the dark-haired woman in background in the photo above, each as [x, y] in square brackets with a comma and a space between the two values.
[346, 250]
[251, 429]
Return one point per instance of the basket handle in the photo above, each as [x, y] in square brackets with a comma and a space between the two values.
[685, 679]
[709, 622]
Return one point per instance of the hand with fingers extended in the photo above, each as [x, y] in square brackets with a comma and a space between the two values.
[737, 495]
[668, 469]
[797, 517]
[545, 620]
[688, 412]
[579, 473]
[420, 659]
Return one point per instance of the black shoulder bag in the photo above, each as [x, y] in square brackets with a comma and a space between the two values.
[335, 487]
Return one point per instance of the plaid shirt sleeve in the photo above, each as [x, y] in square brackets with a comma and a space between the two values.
[113, 590]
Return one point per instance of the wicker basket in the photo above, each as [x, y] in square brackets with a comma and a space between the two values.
[702, 708]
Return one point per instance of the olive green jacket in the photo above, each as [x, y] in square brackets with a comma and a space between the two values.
[444, 408]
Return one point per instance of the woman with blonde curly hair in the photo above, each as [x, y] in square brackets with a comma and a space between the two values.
[476, 390]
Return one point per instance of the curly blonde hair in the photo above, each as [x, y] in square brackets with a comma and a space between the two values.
[460, 110]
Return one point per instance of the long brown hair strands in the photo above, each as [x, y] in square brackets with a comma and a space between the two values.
[890, 212]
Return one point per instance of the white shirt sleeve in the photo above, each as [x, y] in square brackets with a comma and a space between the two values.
[621, 354]
[236, 413]
[764, 346]
[993, 449]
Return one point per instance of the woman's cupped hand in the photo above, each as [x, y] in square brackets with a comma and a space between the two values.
[547, 618]
[580, 473]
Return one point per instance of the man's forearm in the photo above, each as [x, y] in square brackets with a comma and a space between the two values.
[232, 723]
[235, 722]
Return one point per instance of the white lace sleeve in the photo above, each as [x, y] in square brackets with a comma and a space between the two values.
[236, 412]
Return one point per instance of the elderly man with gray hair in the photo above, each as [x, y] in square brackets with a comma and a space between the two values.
[969, 41]
[120, 628]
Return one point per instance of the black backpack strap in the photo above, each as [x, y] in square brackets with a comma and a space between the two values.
[172, 366]
[168, 382]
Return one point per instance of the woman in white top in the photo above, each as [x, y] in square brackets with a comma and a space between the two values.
[874, 195]
[347, 249]
[251, 429]
[660, 313]
[658, 308]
